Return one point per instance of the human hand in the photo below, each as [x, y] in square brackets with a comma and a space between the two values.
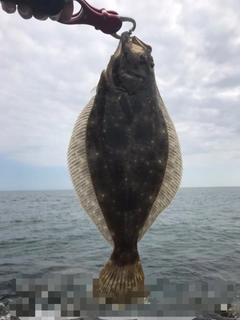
[26, 12]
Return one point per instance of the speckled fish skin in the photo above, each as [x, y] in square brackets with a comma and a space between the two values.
[125, 151]
[127, 147]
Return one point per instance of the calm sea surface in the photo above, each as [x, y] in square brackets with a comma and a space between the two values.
[195, 239]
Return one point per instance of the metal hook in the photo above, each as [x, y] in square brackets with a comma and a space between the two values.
[126, 19]
[108, 21]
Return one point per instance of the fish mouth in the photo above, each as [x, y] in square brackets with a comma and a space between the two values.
[126, 39]
[131, 64]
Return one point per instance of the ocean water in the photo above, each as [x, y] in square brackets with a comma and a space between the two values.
[195, 239]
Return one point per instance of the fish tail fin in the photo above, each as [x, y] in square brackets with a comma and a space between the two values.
[115, 279]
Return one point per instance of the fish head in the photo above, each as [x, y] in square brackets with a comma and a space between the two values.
[131, 67]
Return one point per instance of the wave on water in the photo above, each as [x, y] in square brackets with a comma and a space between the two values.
[195, 240]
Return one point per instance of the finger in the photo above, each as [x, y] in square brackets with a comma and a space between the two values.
[67, 12]
[25, 11]
[55, 18]
[9, 7]
[40, 15]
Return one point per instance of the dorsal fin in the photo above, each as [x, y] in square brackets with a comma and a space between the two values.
[80, 175]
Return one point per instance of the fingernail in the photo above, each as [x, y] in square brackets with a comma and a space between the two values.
[8, 7]
[44, 18]
[11, 10]
[11, 7]
[54, 18]
[24, 12]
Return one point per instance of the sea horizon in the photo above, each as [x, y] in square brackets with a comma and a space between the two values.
[194, 187]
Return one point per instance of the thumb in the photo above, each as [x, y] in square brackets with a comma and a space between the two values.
[66, 14]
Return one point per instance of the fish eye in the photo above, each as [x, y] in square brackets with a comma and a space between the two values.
[143, 57]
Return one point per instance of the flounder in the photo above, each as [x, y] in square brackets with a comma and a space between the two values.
[124, 160]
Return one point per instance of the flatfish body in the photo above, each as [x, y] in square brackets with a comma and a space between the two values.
[125, 160]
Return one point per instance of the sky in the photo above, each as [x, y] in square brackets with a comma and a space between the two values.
[48, 70]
